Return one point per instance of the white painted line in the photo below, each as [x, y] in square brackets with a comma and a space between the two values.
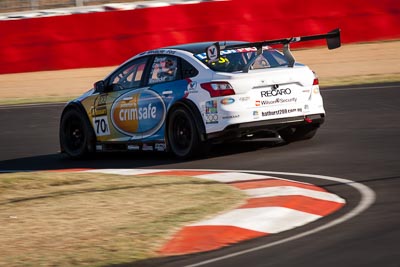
[292, 191]
[227, 177]
[367, 199]
[265, 219]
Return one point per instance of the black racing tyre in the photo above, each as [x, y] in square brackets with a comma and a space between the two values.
[183, 137]
[298, 133]
[76, 136]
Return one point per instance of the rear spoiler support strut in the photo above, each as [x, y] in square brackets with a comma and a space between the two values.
[288, 55]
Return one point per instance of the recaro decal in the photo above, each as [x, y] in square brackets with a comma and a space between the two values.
[276, 92]
[139, 113]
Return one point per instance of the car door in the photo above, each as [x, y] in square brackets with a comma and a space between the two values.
[115, 112]
[165, 86]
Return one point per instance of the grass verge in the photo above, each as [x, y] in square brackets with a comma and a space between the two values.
[86, 219]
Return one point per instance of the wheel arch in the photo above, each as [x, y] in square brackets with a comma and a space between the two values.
[78, 107]
[194, 111]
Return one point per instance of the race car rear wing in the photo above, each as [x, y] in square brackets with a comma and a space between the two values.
[213, 52]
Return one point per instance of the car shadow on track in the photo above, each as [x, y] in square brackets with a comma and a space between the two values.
[117, 160]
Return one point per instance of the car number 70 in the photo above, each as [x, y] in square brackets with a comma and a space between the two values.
[101, 126]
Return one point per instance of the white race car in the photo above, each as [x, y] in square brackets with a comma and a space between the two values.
[182, 98]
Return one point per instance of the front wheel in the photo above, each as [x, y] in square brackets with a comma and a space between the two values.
[183, 137]
[298, 133]
[76, 137]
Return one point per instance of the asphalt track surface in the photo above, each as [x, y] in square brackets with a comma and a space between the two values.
[360, 141]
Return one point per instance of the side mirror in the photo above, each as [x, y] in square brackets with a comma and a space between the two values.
[100, 86]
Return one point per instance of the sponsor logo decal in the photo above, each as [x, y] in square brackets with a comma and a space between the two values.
[160, 147]
[203, 56]
[231, 117]
[146, 147]
[211, 118]
[211, 107]
[138, 114]
[192, 87]
[280, 112]
[99, 111]
[102, 100]
[227, 101]
[133, 147]
[213, 52]
[211, 112]
[276, 92]
[244, 98]
[100, 108]
[275, 101]
[256, 114]
[160, 51]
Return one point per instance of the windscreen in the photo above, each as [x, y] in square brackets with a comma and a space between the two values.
[235, 60]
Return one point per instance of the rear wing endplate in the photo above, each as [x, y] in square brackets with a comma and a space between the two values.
[213, 52]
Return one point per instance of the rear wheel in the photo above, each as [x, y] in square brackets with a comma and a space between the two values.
[298, 133]
[183, 138]
[76, 136]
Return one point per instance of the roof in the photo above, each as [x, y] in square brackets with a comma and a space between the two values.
[197, 48]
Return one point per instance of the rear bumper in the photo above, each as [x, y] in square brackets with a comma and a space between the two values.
[241, 130]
